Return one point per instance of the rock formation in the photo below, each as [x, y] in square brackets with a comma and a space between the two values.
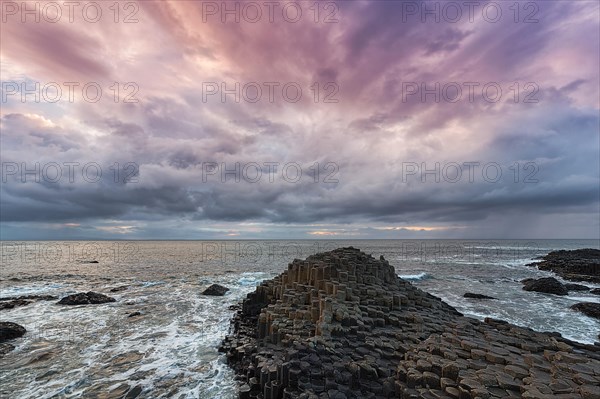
[590, 309]
[547, 285]
[8, 331]
[341, 324]
[85, 298]
[215, 290]
[476, 296]
[577, 265]
[23, 300]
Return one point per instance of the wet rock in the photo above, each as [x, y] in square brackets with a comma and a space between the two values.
[576, 287]
[476, 296]
[215, 290]
[31, 297]
[9, 330]
[5, 348]
[595, 291]
[119, 288]
[342, 324]
[12, 304]
[86, 298]
[134, 392]
[547, 285]
[88, 261]
[577, 265]
[590, 309]
[134, 314]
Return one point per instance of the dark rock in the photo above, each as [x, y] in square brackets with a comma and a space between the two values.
[477, 296]
[342, 324]
[547, 285]
[35, 297]
[12, 304]
[120, 288]
[86, 298]
[134, 392]
[215, 290]
[88, 261]
[590, 309]
[5, 348]
[134, 314]
[576, 287]
[10, 330]
[595, 291]
[577, 265]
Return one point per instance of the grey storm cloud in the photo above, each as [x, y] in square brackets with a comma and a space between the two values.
[385, 159]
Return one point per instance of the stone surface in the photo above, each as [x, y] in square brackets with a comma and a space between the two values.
[590, 309]
[576, 287]
[13, 303]
[577, 265]
[85, 298]
[342, 324]
[23, 300]
[547, 285]
[30, 297]
[5, 348]
[215, 290]
[9, 330]
[477, 296]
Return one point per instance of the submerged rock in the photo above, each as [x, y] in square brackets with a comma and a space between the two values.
[576, 287]
[35, 297]
[215, 290]
[5, 348]
[119, 288]
[595, 291]
[477, 296]
[590, 309]
[9, 330]
[547, 285]
[86, 298]
[23, 300]
[12, 304]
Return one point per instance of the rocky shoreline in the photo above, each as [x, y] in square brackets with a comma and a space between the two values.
[576, 265]
[341, 324]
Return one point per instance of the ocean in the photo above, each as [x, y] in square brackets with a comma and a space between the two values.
[170, 349]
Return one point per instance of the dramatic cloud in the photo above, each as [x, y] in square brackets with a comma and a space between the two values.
[352, 119]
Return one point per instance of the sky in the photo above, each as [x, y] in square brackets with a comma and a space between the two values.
[300, 120]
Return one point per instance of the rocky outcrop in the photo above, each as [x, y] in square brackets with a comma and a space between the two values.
[13, 303]
[10, 330]
[23, 300]
[30, 297]
[476, 296]
[215, 290]
[577, 265]
[342, 325]
[590, 309]
[547, 285]
[576, 287]
[86, 298]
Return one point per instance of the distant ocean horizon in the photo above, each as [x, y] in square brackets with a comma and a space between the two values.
[170, 348]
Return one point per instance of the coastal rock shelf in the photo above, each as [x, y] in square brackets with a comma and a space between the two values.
[341, 324]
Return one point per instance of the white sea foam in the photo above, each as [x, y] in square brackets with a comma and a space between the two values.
[419, 276]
